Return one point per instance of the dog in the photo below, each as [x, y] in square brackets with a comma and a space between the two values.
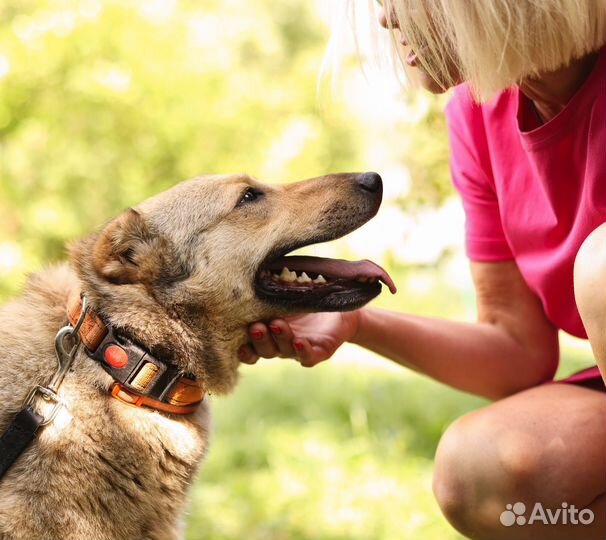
[176, 280]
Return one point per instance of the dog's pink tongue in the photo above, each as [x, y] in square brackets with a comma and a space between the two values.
[336, 268]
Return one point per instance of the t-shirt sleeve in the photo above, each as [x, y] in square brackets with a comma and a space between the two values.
[472, 176]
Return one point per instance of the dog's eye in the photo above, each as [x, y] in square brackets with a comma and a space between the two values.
[250, 195]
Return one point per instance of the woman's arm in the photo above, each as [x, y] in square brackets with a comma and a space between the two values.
[512, 347]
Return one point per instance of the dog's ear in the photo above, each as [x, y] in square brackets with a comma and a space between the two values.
[128, 251]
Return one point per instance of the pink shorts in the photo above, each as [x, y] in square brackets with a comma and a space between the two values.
[589, 378]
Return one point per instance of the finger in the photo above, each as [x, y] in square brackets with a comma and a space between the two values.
[246, 355]
[262, 342]
[283, 337]
[304, 351]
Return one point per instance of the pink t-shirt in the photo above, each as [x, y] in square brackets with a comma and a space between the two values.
[533, 195]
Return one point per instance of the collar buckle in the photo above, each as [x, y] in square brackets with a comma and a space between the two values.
[128, 363]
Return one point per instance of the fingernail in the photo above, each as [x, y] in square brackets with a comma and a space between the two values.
[257, 334]
[298, 345]
[275, 329]
[242, 354]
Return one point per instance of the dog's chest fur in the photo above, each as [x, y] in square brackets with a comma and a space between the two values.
[102, 470]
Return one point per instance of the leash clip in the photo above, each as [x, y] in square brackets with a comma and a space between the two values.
[48, 395]
[65, 358]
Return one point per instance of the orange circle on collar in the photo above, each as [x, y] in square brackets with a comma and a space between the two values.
[116, 356]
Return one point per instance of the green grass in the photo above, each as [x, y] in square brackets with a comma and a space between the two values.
[336, 452]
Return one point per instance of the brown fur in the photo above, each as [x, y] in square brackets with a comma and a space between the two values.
[176, 275]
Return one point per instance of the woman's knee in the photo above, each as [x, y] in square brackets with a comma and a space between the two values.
[482, 464]
[452, 485]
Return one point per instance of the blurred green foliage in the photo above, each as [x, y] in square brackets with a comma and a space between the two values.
[104, 104]
[425, 152]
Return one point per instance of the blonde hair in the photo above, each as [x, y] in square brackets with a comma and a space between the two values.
[495, 44]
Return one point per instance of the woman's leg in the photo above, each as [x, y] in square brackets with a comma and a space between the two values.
[544, 445]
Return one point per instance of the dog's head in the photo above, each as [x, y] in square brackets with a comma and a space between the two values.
[186, 271]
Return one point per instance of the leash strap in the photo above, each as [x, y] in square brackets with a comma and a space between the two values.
[18, 436]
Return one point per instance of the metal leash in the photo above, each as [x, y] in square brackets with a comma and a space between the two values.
[65, 359]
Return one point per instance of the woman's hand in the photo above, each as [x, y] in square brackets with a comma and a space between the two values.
[309, 338]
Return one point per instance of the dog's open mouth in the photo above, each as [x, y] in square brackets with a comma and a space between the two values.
[316, 283]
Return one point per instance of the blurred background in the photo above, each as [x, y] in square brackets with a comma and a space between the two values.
[104, 103]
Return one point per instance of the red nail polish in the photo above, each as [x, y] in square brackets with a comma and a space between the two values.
[276, 330]
[242, 354]
[299, 346]
[257, 334]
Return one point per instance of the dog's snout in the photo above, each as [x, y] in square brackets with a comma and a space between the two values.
[370, 182]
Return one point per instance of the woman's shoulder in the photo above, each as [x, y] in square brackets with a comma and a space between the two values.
[463, 104]
[468, 116]
[462, 99]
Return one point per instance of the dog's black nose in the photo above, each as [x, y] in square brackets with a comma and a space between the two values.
[370, 181]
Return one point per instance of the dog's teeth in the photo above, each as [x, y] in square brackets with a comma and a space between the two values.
[275, 276]
[288, 276]
[304, 278]
[320, 279]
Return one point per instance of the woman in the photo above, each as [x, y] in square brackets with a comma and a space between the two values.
[528, 141]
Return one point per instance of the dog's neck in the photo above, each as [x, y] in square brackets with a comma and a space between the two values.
[174, 331]
[140, 379]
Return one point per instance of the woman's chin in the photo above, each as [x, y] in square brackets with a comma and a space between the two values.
[429, 83]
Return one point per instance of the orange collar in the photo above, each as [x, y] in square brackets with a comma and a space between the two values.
[140, 378]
